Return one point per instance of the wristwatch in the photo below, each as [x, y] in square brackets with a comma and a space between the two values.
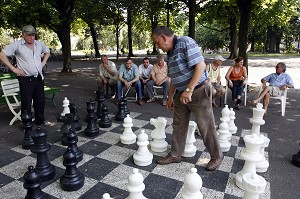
[189, 90]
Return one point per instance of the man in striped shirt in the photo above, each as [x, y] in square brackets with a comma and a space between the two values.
[187, 72]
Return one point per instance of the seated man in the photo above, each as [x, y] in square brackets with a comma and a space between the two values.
[278, 81]
[215, 78]
[145, 72]
[129, 76]
[108, 74]
[159, 77]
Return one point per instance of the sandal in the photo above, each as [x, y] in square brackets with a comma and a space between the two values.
[237, 107]
[238, 101]
[151, 100]
[252, 103]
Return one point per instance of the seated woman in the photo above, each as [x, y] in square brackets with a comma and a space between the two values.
[237, 79]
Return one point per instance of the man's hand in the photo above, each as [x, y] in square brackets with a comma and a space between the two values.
[283, 87]
[128, 84]
[186, 97]
[170, 103]
[18, 72]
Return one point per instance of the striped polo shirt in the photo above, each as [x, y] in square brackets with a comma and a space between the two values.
[182, 60]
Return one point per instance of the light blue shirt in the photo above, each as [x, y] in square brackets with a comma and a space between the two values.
[279, 80]
[27, 59]
[129, 74]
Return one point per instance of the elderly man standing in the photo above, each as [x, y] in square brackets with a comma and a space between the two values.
[28, 53]
[108, 74]
[187, 72]
[278, 82]
[129, 76]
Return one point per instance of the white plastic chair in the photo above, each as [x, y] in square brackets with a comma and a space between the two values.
[281, 98]
[245, 93]
[10, 90]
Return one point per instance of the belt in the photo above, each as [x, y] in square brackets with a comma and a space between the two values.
[201, 84]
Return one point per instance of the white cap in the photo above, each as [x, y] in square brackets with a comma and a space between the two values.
[219, 57]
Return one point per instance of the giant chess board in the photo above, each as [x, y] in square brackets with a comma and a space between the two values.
[107, 164]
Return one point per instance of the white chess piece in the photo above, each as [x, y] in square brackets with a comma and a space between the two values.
[231, 124]
[192, 185]
[128, 137]
[253, 185]
[190, 149]
[223, 131]
[142, 157]
[66, 104]
[159, 143]
[251, 155]
[136, 185]
[106, 196]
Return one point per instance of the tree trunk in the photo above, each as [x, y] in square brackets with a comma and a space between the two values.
[117, 42]
[233, 37]
[65, 40]
[154, 23]
[245, 9]
[94, 36]
[129, 24]
[192, 14]
[272, 40]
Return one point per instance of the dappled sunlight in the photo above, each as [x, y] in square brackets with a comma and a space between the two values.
[65, 85]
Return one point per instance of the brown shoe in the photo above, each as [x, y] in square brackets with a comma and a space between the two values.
[140, 102]
[214, 163]
[169, 159]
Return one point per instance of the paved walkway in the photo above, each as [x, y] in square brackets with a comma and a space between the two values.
[282, 131]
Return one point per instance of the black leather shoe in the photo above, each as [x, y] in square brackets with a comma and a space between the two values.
[169, 159]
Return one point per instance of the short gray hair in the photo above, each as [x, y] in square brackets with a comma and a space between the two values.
[282, 65]
[163, 30]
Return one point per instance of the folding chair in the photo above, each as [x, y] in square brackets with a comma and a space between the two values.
[10, 90]
[129, 98]
[156, 95]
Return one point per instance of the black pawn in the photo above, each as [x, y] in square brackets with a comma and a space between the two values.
[73, 110]
[64, 129]
[121, 112]
[91, 129]
[32, 182]
[104, 122]
[296, 159]
[100, 99]
[27, 126]
[40, 148]
[72, 140]
[72, 179]
[126, 110]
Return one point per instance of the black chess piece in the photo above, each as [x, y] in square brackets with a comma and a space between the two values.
[72, 179]
[64, 129]
[32, 182]
[73, 110]
[104, 122]
[72, 140]
[121, 111]
[126, 110]
[91, 129]
[40, 148]
[27, 125]
[296, 159]
[100, 99]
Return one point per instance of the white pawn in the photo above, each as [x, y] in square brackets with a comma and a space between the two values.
[192, 185]
[223, 133]
[190, 149]
[106, 196]
[231, 124]
[128, 137]
[159, 143]
[253, 185]
[142, 157]
[135, 185]
[66, 104]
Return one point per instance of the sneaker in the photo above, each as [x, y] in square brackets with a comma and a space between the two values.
[151, 100]
[140, 102]
[164, 103]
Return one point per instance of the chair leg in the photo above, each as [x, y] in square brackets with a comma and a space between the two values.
[283, 106]
[17, 116]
